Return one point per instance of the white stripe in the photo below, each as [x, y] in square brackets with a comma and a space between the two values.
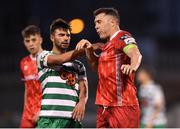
[57, 79]
[39, 57]
[58, 102]
[53, 79]
[60, 91]
[118, 79]
[45, 60]
[56, 113]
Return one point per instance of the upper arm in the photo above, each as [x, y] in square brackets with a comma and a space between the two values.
[129, 46]
[132, 50]
[21, 70]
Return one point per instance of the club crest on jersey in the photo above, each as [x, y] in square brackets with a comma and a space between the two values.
[70, 77]
[68, 72]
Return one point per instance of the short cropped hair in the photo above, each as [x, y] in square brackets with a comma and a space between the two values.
[30, 30]
[108, 11]
[59, 24]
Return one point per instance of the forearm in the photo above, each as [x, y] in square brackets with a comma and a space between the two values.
[68, 56]
[65, 57]
[83, 95]
[92, 58]
[136, 61]
[136, 58]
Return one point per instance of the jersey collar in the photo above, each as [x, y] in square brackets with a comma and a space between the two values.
[114, 35]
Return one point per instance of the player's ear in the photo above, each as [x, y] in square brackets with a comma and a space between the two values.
[113, 21]
[52, 37]
[41, 39]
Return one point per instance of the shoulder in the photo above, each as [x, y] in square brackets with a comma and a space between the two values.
[43, 54]
[126, 37]
[25, 59]
[79, 64]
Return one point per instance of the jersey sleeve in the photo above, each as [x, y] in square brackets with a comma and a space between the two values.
[81, 71]
[126, 41]
[21, 71]
[42, 59]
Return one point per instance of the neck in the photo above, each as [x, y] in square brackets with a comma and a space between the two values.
[34, 55]
[113, 31]
[58, 50]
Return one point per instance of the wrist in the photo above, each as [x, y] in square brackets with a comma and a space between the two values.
[83, 100]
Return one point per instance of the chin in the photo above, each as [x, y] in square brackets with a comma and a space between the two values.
[103, 37]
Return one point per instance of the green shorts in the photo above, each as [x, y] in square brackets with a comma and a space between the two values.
[49, 122]
[155, 126]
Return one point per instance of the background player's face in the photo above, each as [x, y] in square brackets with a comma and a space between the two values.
[61, 38]
[33, 43]
[142, 76]
[103, 25]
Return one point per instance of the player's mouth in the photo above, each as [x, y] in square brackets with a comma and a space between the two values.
[65, 43]
[99, 32]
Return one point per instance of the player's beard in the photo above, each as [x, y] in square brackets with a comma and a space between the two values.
[62, 46]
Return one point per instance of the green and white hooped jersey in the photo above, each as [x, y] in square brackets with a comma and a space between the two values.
[60, 93]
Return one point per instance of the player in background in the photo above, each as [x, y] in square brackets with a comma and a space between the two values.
[116, 98]
[32, 96]
[152, 100]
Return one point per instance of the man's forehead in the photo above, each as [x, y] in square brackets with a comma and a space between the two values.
[101, 16]
[32, 36]
[64, 31]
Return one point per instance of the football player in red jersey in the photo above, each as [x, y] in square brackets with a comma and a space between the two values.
[116, 98]
[32, 95]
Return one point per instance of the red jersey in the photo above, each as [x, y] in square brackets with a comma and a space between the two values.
[114, 87]
[29, 74]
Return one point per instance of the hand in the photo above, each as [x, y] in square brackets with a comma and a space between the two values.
[83, 44]
[127, 69]
[97, 46]
[79, 111]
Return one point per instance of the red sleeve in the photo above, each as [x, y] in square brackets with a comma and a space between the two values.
[124, 39]
[21, 69]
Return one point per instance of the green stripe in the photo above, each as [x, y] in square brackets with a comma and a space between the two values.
[60, 96]
[60, 108]
[59, 85]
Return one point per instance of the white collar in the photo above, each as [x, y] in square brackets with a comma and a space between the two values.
[114, 35]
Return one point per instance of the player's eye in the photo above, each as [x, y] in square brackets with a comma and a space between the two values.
[34, 40]
[68, 35]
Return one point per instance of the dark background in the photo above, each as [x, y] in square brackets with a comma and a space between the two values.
[155, 24]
